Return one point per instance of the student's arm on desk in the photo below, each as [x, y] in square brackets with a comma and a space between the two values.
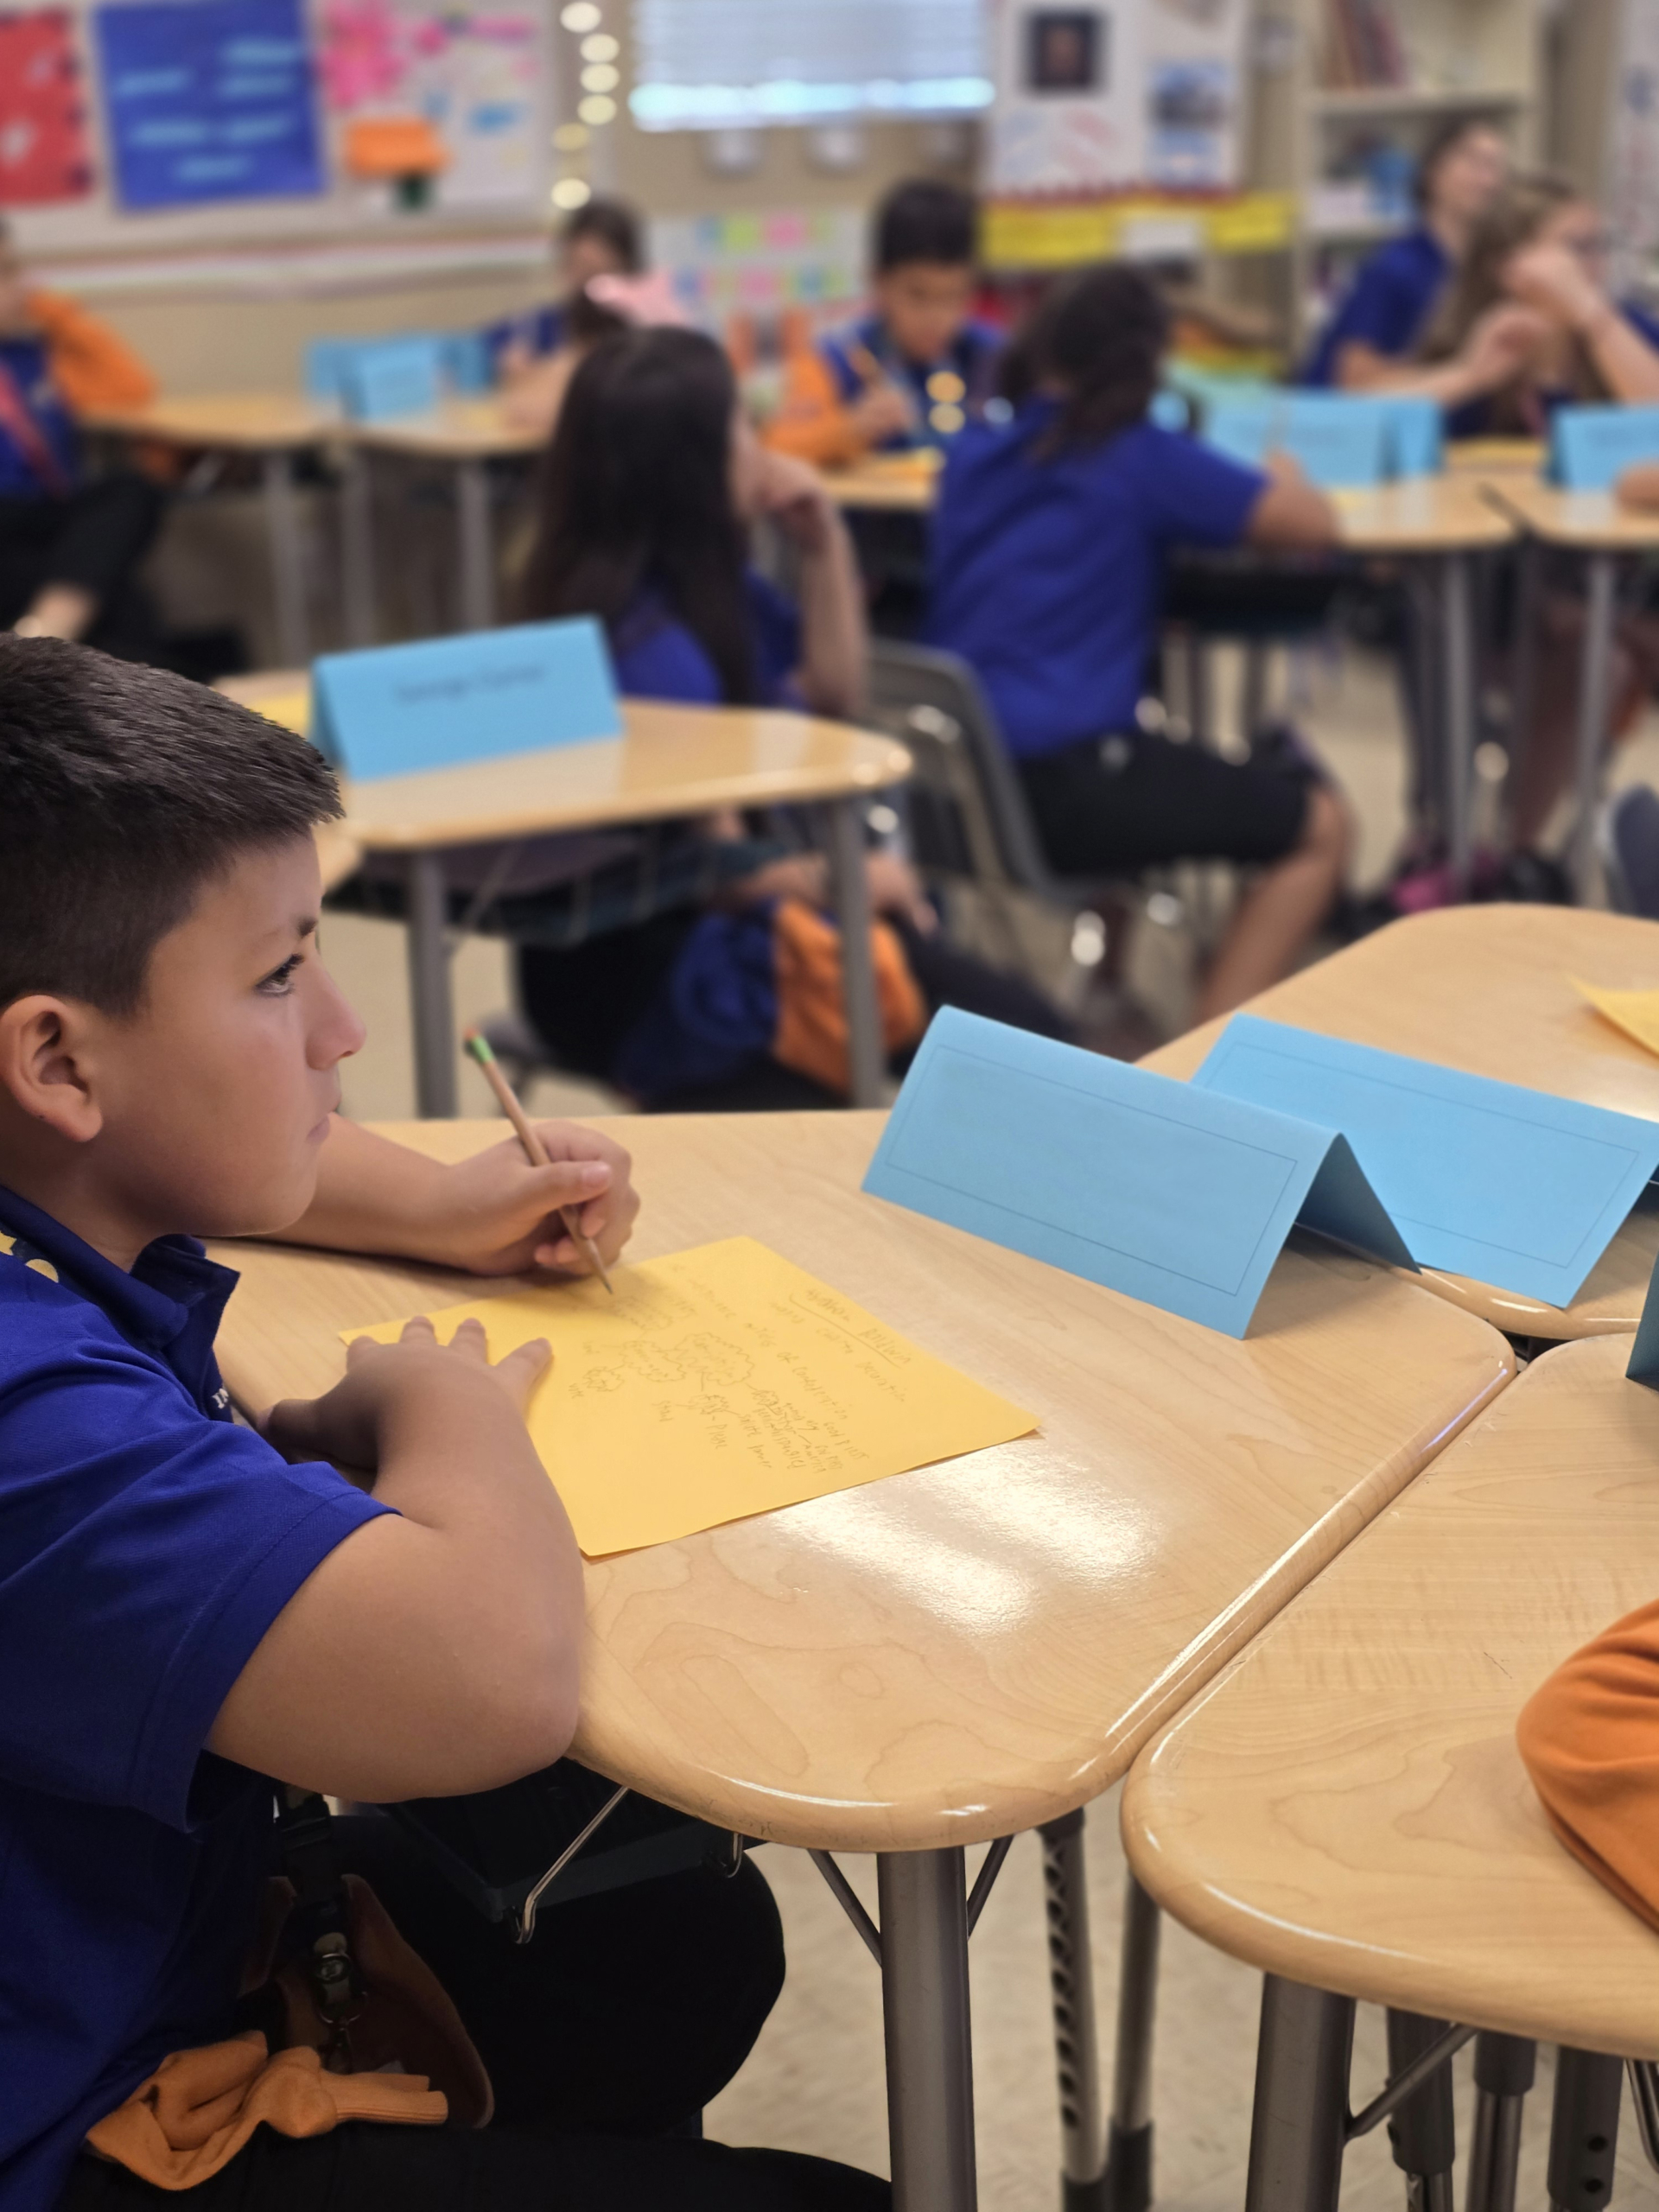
[1497, 349]
[493, 1214]
[435, 1651]
[1290, 512]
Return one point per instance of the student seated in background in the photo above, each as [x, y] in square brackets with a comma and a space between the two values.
[603, 238]
[1374, 331]
[195, 1613]
[651, 484]
[1048, 546]
[69, 544]
[1590, 1738]
[918, 366]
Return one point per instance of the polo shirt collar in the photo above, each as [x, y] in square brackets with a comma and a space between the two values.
[174, 1287]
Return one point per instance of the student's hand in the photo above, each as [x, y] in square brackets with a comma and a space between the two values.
[1501, 344]
[1554, 280]
[1638, 488]
[790, 493]
[496, 1214]
[347, 1424]
[1281, 468]
[885, 410]
[895, 889]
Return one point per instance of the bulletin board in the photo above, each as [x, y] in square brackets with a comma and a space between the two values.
[132, 125]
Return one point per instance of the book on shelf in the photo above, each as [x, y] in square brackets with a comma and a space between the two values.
[1364, 48]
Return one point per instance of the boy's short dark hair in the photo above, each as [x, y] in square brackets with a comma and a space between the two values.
[925, 221]
[123, 791]
[615, 225]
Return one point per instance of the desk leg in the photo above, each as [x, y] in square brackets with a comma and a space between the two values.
[1071, 1990]
[845, 823]
[1422, 2132]
[430, 1001]
[357, 546]
[476, 545]
[1129, 2161]
[930, 2045]
[1457, 644]
[1595, 714]
[1504, 2074]
[287, 562]
[1301, 2099]
[1583, 2129]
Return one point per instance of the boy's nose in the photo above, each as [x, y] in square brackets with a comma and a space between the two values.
[339, 1030]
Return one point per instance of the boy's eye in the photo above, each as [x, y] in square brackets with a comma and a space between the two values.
[280, 979]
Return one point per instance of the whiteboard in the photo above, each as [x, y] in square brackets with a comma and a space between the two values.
[480, 72]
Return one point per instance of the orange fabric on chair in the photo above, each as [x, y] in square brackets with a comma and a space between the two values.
[91, 366]
[811, 1033]
[813, 422]
[1590, 1738]
[199, 2108]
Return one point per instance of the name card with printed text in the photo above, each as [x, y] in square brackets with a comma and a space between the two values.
[1590, 447]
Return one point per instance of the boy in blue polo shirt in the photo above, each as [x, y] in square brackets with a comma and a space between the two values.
[1049, 549]
[191, 1611]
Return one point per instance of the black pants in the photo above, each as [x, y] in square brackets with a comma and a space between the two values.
[94, 538]
[622, 2019]
[1114, 805]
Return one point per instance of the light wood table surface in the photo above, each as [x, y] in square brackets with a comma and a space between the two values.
[1486, 458]
[1484, 988]
[274, 426]
[673, 762]
[1421, 514]
[1346, 1807]
[900, 483]
[980, 1647]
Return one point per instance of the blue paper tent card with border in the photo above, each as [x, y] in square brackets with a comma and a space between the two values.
[1179, 1197]
[1590, 447]
[395, 709]
[1514, 1187]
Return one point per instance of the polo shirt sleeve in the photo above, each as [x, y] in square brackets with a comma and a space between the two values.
[144, 1551]
[1189, 493]
[667, 662]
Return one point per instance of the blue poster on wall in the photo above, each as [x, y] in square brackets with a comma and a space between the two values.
[208, 99]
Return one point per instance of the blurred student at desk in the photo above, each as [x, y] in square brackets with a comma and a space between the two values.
[69, 544]
[535, 355]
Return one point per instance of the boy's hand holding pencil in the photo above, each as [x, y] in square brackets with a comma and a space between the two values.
[550, 1168]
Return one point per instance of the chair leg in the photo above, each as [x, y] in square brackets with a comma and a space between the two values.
[1583, 2129]
[1423, 2130]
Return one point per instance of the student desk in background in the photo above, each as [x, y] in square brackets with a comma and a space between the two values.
[1593, 524]
[977, 1647]
[465, 436]
[1485, 989]
[1346, 1807]
[671, 762]
[897, 483]
[274, 428]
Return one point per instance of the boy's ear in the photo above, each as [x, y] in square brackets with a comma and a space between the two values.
[43, 1064]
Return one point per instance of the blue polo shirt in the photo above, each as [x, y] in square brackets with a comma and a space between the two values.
[26, 365]
[658, 657]
[1388, 305]
[146, 1545]
[1048, 569]
[968, 366]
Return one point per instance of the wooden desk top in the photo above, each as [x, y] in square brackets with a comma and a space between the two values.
[249, 421]
[1485, 988]
[1423, 514]
[1489, 457]
[974, 1648]
[903, 483]
[1346, 1807]
[338, 854]
[462, 429]
[1591, 522]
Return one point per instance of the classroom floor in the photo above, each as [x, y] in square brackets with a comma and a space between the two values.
[815, 2082]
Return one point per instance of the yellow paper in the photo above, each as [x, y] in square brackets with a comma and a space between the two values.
[1637, 1013]
[718, 1383]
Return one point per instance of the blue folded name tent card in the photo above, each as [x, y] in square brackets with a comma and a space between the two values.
[1590, 447]
[394, 709]
[1337, 439]
[1512, 1186]
[1177, 1196]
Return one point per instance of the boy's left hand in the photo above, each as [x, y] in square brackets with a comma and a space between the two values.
[496, 1214]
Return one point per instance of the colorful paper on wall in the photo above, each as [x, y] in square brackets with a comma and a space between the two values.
[44, 156]
[1637, 1013]
[720, 1383]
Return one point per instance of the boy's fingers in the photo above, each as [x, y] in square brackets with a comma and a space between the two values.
[470, 1341]
[417, 1330]
[536, 1355]
[359, 1348]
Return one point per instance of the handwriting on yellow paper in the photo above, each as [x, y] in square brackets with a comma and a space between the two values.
[718, 1383]
[1637, 1013]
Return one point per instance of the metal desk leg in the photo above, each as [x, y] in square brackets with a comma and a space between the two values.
[1422, 2129]
[287, 562]
[431, 1002]
[357, 546]
[1071, 1992]
[1595, 714]
[930, 2045]
[476, 545]
[1583, 2129]
[1503, 2072]
[1458, 645]
[845, 824]
[1301, 2099]
[1129, 2162]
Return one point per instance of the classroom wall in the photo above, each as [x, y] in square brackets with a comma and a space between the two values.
[1578, 86]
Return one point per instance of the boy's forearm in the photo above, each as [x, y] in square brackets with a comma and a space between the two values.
[371, 1194]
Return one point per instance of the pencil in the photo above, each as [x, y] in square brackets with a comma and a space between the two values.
[479, 1046]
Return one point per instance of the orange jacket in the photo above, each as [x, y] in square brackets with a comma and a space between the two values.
[813, 422]
[91, 366]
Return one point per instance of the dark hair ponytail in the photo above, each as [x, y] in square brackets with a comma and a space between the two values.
[635, 494]
[1099, 340]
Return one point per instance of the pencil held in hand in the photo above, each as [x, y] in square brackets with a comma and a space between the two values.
[535, 1152]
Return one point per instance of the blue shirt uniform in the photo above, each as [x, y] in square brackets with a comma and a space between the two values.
[947, 393]
[658, 657]
[538, 330]
[146, 1545]
[26, 367]
[1389, 306]
[1048, 569]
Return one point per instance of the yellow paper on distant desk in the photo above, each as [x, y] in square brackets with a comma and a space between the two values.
[718, 1383]
[1637, 1013]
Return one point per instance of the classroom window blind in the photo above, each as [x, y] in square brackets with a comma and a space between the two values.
[709, 64]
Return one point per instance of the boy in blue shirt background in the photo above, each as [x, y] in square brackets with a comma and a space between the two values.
[191, 1611]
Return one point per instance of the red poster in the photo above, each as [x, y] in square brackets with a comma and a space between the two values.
[44, 153]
